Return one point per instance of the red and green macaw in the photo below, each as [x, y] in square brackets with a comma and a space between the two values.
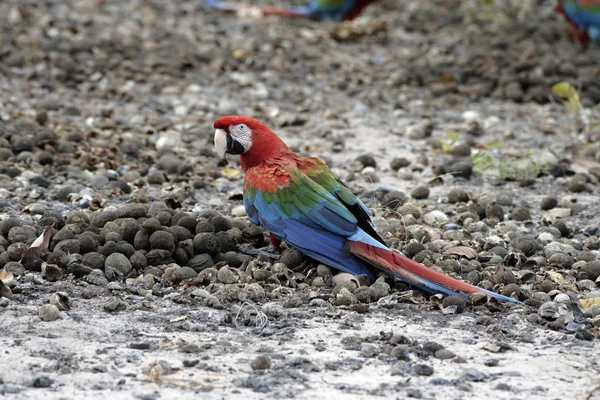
[339, 10]
[583, 16]
[300, 200]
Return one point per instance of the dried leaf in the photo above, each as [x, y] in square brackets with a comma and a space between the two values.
[39, 245]
[566, 91]
[464, 251]
[589, 303]
[178, 319]
[6, 276]
[556, 277]
[231, 173]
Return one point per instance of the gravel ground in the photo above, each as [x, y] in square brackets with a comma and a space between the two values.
[148, 282]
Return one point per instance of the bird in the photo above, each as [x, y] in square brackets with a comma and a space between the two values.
[337, 10]
[301, 201]
[583, 17]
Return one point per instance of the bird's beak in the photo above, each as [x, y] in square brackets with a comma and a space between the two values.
[221, 143]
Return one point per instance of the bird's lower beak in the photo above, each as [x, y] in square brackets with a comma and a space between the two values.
[221, 143]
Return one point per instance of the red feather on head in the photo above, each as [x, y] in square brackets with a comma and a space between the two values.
[265, 143]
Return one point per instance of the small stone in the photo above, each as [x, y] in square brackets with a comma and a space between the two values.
[367, 160]
[420, 192]
[494, 211]
[113, 304]
[42, 382]
[380, 289]
[548, 203]
[200, 262]
[221, 223]
[94, 260]
[162, 240]
[226, 276]
[292, 258]
[561, 260]
[393, 199]
[190, 363]
[592, 270]
[345, 298]
[422, 370]
[260, 363]
[520, 214]
[455, 303]
[152, 224]
[204, 225]
[48, 312]
[323, 270]
[182, 274]
[368, 350]
[207, 243]
[401, 353]
[444, 354]
[510, 289]
[527, 245]
[234, 259]
[458, 196]
[461, 150]
[505, 277]
[577, 184]
[96, 277]
[419, 131]
[398, 163]
[15, 268]
[119, 262]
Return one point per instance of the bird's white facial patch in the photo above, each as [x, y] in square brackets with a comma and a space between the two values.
[241, 134]
[220, 143]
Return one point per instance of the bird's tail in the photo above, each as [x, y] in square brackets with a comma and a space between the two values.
[414, 273]
[264, 10]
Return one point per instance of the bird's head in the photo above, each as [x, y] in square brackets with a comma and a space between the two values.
[247, 137]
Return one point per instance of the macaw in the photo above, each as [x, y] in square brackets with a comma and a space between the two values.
[301, 201]
[338, 10]
[584, 18]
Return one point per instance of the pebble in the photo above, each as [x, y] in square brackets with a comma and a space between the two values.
[398, 163]
[422, 370]
[520, 214]
[420, 192]
[207, 243]
[454, 303]
[226, 276]
[182, 274]
[162, 240]
[458, 196]
[592, 270]
[260, 363]
[118, 262]
[419, 131]
[444, 354]
[367, 160]
[113, 304]
[393, 199]
[48, 312]
[548, 203]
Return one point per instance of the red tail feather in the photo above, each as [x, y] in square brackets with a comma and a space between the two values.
[398, 264]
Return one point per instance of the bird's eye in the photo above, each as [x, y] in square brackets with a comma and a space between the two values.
[242, 127]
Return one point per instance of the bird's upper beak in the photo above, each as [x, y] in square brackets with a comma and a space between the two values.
[222, 142]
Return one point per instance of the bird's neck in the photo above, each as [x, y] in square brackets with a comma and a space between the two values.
[264, 147]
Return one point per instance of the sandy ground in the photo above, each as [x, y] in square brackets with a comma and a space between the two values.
[89, 354]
